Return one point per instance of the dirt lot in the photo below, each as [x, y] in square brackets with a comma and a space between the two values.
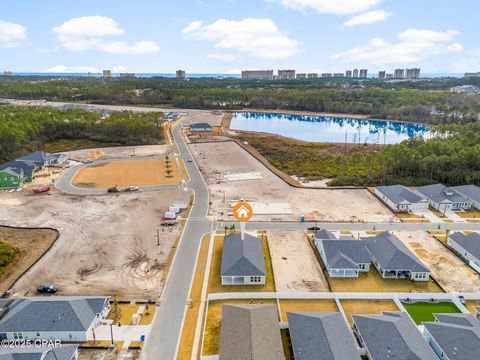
[122, 152]
[106, 242]
[295, 266]
[448, 269]
[216, 159]
[30, 244]
[366, 307]
[126, 173]
[90, 354]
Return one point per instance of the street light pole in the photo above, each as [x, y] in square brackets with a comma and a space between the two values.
[111, 332]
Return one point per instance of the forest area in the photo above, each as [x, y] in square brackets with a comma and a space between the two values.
[26, 129]
[418, 101]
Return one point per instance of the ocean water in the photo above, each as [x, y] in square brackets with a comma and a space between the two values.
[328, 129]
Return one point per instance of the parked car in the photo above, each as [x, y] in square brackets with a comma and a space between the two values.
[190, 160]
[314, 228]
[87, 161]
[133, 188]
[47, 289]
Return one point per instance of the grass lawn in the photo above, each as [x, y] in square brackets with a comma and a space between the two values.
[148, 314]
[211, 342]
[124, 313]
[191, 316]
[28, 244]
[471, 305]
[373, 282]
[306, 305]
[215, 281]
[423, 311]
[472, 214]
[366, 307]
[436, 212]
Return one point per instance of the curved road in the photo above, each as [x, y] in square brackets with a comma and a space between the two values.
[165, 333]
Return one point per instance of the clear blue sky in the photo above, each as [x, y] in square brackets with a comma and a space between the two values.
[221, 36]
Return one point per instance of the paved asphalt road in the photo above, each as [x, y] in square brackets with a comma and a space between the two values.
[166, 329]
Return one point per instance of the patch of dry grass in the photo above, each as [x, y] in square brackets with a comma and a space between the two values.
[306, 305]
[366, 307]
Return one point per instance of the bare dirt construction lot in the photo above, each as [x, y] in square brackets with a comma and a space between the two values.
[447, 269]
[295, 266]
[220, 158]
[91, 354]
[30, 245]
[126, 173]
[122, 152]
[107, 243]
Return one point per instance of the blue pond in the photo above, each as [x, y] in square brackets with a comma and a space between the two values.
[328, 129]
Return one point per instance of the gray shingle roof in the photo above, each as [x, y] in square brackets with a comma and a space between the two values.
[250, 332]
[470, 242]
[16, 167]
[440, 193]
[345, 254]
[39, 158]
[321, 336]
[200, 126]
[470, 191]
[47, 314]
[392, 254]
[400, 194]
[458, 335]
[242, 258]
[324, 235]
[65, 352]
[392, 335]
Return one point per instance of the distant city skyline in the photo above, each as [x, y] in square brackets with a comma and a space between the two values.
[228, 36]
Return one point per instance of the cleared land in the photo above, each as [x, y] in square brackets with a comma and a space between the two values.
[106, 242]
[215, 281]
[446, 267]
[294, 263]
[95, 354]
[366, 307]
[471, 305]
[211, 342]
[127, 173]
[217, 159]
[423, 311]
[306, 305]
[29, 244]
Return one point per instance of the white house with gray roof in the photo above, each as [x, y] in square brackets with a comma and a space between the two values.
[343, 257]
[49, 318]
[471, 192]
[392, 335]
[250, 332]
[401, 199]
[63, 352]
[467, 246]
[393, 259]
[454, 336]
[243, 261]
[444, 198]
[321, 336]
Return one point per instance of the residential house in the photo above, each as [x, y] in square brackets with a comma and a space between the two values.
[471, 192]
[392, 335]
[51, 318]
[401, 199]
[342, 257]
[321, 336]
[454, 336]
[250, 332]
[63, 352]
[41, 159]
[393, 259]
[15, 174]
[467, 246]
[243, 261]
[444, 198]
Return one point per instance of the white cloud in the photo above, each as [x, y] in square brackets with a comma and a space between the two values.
[222, 57]
[257, 37]
[71, 69]
[370, 17]
[471, 63]
[329, 6]
[414, 45]
[89, 32]
[44, 51]
[12, 35]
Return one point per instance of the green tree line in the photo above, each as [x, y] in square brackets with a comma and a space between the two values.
[24, 129]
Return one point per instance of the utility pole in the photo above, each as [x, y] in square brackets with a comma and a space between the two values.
[158, 238]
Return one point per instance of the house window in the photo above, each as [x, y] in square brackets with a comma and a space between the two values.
[255, 279]
[17, 336]
[362, 267]
[37, 334]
